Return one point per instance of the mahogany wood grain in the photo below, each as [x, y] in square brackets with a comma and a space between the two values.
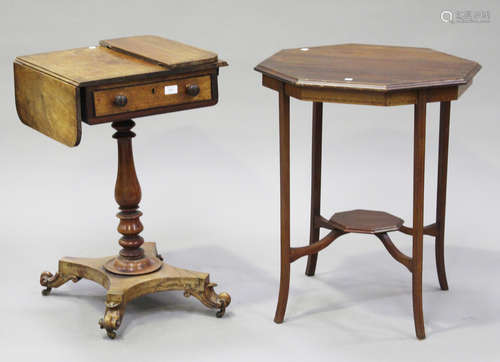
[56, 91]
[77, 84]
[131, 260]
[371, 75]
[418, 212]
[430, 230]
[350, 96]
[314, 248]
[90, 65]
[151, 95]
[158, 50]
[369, 97]
[368, 67]
[89, 109]
[284, 131]
[323, 222]
[366, 221]
[317, 141]
[48, 105]
[96, 65]
[128, 192]
[444, 134]
[394, 251]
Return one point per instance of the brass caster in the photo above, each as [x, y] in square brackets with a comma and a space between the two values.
[46, 278]
[220, 313]
[225, 299]
[110, 332]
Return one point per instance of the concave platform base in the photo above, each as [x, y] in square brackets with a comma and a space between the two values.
[122, 289]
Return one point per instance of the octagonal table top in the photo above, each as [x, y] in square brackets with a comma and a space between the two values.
[368, 67]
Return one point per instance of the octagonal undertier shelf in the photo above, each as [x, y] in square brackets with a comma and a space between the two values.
[378, 223]
[366, 221]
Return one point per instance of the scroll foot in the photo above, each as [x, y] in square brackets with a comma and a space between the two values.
[225, 299]
[49, 281]
[112, 319]
[210, 298]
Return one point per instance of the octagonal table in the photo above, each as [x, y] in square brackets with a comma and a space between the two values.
[368, 75]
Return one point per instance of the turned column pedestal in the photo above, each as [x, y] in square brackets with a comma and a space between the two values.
[131, 260]
[138, 269]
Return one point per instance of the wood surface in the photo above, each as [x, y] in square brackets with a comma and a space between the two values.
[52, 89]
[131, 259]
[418, 211]
[317, 144]
[90, 65]
[394, 251]
[121, 290]
[316, 247]
[284, 144]
[89, 108]
[365, 97]
[78, 84]
[430, 230]
[98, 65]
[128, 192]
[368, 67]
[48, 105]
[390, 76]
[366, 221]
[158, 50]
[444, 134]
[151, 95]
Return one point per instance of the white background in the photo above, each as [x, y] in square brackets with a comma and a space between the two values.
[211, 194]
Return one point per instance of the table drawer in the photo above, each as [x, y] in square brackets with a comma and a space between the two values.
[151, 95]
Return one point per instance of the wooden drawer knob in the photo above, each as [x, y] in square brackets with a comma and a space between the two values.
[120, 100]
[193, 89]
